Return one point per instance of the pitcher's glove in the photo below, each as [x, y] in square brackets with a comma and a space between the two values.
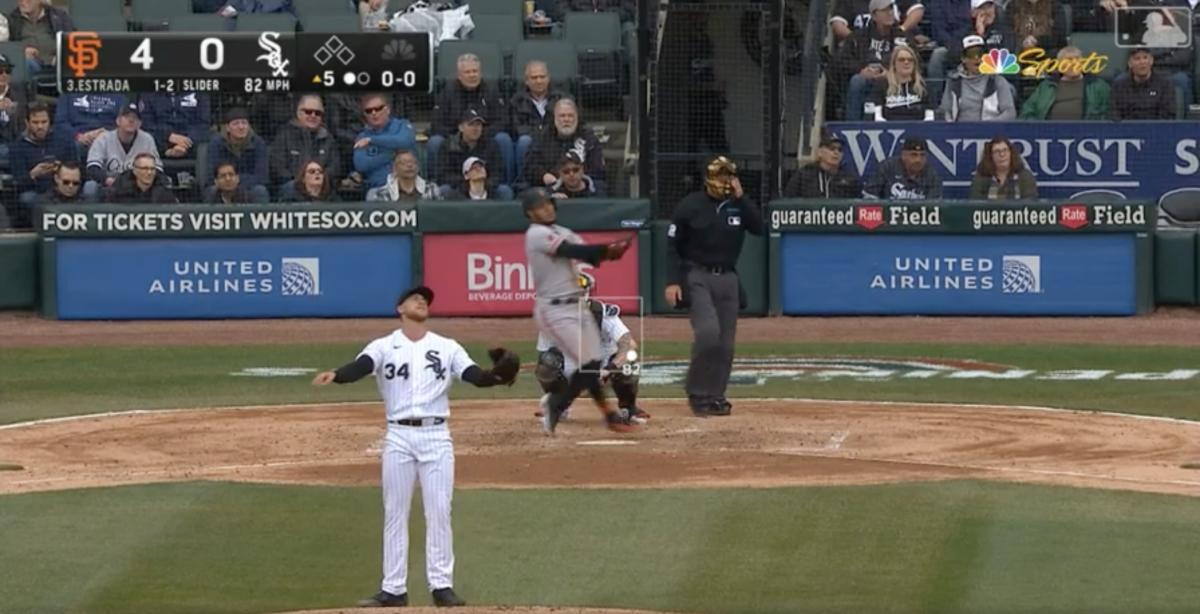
[505, 365]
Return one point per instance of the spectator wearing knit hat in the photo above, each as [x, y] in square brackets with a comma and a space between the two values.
[239, 145]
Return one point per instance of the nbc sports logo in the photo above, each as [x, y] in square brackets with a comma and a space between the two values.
[999, 62]
[1021, 275]
[300, 277]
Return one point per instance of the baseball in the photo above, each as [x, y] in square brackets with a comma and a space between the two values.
[631, 356]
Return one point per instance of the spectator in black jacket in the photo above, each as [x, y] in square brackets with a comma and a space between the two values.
[1144, 94]
[901, 95]
[907, 176]
[227, 187]
[37, 24]
[568, 135]
[13, 100]
[1168, 26]
[238, 144]
[863, 57]
[141, 184]
[470, 91]
[469, 143]
[572, 181]
[68, 186]
[315, 186]
[850, 16]
[533, 109]
[303, 138]
[473, 183]
[36, 155]
[825, 177]
[177, 122]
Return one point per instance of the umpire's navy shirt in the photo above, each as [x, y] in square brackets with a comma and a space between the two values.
[707, 231]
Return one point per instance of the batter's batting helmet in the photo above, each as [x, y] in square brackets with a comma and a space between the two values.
[535, 197]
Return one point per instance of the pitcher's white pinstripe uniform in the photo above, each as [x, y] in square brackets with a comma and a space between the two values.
[414, 380]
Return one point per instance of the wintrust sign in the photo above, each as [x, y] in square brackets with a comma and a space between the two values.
[487, 274]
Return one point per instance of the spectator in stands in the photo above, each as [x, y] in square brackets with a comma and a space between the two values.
[227, 187]
[907, 176]
[405, 183]
[1144, 94]
[568, 134]
[117, 150]
[953, 20]
[142, 183]
[1038, 23]
[1173, 63]
[973, 96]
[233, 8]
[84, 117]
[468, 143]
[303, 138]
[68, 179]
[37, 24]
[344, 116]
[901, 95]
[573, 182]
[379, 141]
[1070, 95]
[237, 144]
[13, 100]
[533, 109]
[825, 177]
[850, 16]
[37, 154]
[473, 183]
[1002, 174]
[4, 33]
[314, 185]
[470, 91]
[374, 15]
[865, 53]
[178, 122]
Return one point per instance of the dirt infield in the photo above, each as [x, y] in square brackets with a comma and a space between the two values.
[499, 444]
[1175, 327]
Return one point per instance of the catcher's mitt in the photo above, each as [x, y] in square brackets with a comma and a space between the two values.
[505, 365]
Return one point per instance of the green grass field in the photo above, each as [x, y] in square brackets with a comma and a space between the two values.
[936, 547]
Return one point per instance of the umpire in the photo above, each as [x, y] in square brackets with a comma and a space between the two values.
[705, 239]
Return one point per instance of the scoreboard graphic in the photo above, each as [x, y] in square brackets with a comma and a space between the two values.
[244, 62]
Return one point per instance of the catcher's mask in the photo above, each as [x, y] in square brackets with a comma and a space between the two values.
[719, 176]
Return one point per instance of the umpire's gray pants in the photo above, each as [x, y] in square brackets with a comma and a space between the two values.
[714, 315]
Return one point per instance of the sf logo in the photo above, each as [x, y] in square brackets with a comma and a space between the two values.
[84, 55]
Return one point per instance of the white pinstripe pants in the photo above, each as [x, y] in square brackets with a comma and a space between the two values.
[412, 453]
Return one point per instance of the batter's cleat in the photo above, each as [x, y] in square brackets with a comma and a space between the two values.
[384, 599]
[619, 423]
[445, 598]
[637, 414]
[722, 407]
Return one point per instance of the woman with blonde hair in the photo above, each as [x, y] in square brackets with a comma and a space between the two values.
[1002, 175]
[901, 95]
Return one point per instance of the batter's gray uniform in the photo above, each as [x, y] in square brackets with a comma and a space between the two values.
[557, 310]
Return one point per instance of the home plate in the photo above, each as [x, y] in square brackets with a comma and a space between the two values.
[607, 442]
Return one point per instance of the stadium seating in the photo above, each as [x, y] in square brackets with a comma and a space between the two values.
[156, 14]
[16, 50]
[1096, 196]
[7, 6]
[507, 31]
[497, 7]
[93, 8]
[490, 58]
[266, 22]
[313, 8]
[101, 23]
[200, 23]
[597, 41]
[330, 23]
[1180, 207]
[559, 57]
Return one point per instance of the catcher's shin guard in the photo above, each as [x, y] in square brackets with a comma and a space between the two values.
[549, 372]
[586, 378]
[625, 387]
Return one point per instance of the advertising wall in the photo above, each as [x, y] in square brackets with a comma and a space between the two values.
[486, 274]
[1136, 159]
[850, 274]
[232, 277]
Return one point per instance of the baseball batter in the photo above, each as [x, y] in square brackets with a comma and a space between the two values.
[551, 252]
[413, 368]
[616, 343]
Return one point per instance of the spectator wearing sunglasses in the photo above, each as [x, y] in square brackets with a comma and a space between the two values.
[142, 184]
[68, 185]
[313, 184]
[376, 146]
[303, 138]
[973, 96]
[572, 181]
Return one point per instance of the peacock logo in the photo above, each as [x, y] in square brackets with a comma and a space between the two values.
[999, 62]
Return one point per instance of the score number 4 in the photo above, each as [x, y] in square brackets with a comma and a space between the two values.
[212, 54]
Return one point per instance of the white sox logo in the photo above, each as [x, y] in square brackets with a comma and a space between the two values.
[435, 364]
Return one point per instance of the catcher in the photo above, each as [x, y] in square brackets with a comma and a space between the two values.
[616, 343]
[414, 368]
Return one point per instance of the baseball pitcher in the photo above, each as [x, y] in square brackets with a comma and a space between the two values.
[552, 251]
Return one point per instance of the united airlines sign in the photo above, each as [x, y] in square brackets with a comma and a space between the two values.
[1135, 159]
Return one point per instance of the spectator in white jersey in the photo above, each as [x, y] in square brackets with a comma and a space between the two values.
[114, 152]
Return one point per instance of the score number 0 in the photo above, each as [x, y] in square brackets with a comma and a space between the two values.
[212, 54]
